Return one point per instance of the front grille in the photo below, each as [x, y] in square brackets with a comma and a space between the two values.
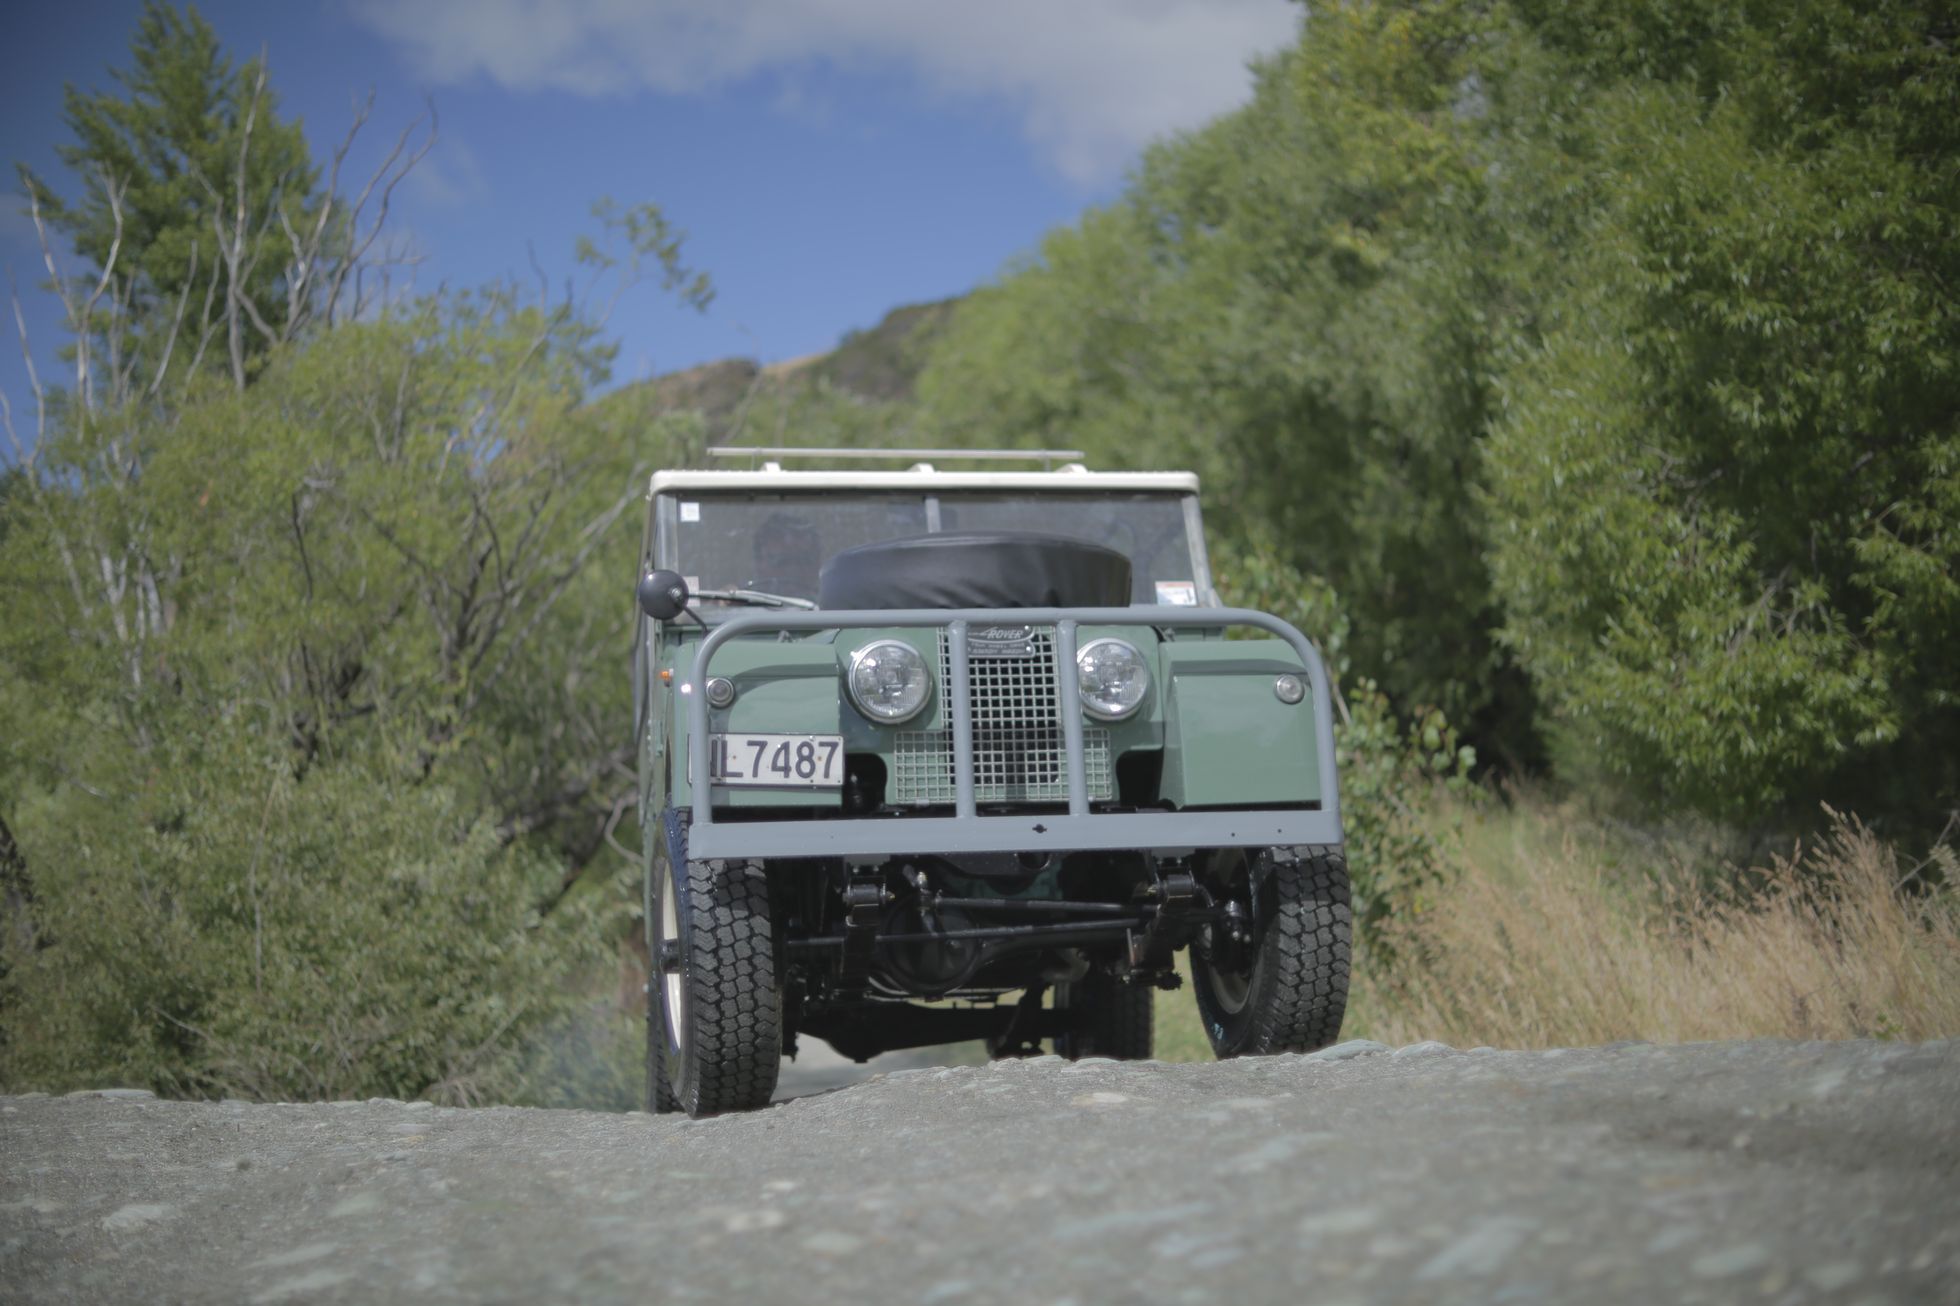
[1018, 755]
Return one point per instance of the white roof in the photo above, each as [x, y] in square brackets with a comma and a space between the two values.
[925, 479]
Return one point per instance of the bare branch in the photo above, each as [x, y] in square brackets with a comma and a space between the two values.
[114, 583]
[544, 282]
[33, 381]
[176, 324]
[84, 329]
[612, 823]
[59, 282]
[386, 176]
[27, 460]
[259, 323]
[78, 311]
[235, 294]
[553, 806]
[206, 321]
[120, 314]
[307, 251]
[13, 436]
[594, 534]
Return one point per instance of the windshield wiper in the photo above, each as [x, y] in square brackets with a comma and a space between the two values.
[756, 598]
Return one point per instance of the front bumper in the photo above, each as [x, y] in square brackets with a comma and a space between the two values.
[967, 830]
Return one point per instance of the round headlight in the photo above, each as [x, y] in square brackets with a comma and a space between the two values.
[1113, 678]
[888, 681]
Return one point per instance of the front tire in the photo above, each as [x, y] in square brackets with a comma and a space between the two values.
[1282, 985]
[714, 1020]
[1114, 1018]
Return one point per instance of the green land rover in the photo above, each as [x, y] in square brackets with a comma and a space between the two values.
[934, 756]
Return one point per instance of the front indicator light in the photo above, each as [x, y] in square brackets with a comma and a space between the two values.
[1112, 677]
[888, 681]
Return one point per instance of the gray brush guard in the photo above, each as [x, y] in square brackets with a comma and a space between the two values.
[872, 839]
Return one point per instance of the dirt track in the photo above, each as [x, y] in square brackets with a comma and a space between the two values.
[1718, 1172]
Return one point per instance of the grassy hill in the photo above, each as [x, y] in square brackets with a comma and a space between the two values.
[859, 393]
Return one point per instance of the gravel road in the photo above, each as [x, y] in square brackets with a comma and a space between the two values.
[1721, 1172]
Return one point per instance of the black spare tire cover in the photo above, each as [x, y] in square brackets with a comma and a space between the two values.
[976, 570]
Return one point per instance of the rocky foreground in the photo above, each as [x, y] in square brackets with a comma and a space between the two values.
[1715, 1172]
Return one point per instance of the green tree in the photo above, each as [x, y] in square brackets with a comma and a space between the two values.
[1601, 355]
[1726, 479]
[1295, 301]
[205, 227]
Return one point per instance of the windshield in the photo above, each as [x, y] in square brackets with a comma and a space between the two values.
[778, 543]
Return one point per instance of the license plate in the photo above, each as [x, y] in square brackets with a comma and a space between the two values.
[777, 761]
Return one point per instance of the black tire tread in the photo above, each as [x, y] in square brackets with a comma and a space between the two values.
[734, 1006]
[1298, 1004]
[1315, 922]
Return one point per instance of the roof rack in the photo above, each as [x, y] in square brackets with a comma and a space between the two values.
[920, 458]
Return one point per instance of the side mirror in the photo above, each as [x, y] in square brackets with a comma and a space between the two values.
[663, 595]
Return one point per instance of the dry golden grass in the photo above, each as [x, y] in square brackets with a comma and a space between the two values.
[1543, 942]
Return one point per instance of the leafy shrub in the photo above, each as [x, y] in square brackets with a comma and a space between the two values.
[1391, 765]
[231, 931]
[317, 757]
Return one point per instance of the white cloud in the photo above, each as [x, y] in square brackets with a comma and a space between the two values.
[1092, 80]
[450, 177]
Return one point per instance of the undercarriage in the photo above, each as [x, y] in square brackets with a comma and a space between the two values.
[986, 938]
[1013, 950]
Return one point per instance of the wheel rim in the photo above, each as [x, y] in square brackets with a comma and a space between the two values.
[670, 981]
[1230, 988]
[1228, 963]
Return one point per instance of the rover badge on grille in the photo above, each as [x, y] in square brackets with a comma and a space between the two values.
[1000, 642]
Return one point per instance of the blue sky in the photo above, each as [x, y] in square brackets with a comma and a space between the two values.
[830, 159]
